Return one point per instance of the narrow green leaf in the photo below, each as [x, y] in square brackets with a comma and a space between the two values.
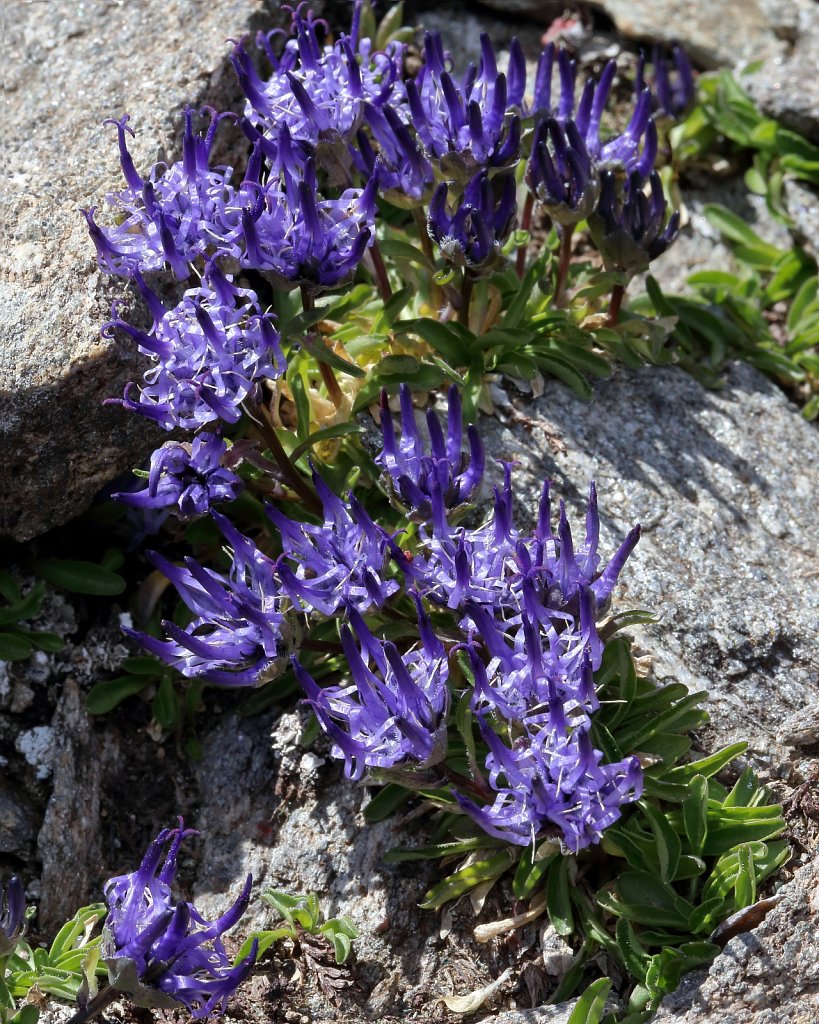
[14, 648]
[166, 705]
[590, 1006]
[667, 841]
[695, 813]
[320, 351]
[462, 881]
[79, 577]
[326, 434]
[104, 697]
[395, 249]
[385, 802]
[558, 897]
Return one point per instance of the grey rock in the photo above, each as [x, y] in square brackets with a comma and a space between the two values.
[785, 87]
[802, 206]
[721, 32]
[68, 66]
[18, 822]
[558, 1014]
[69, 843]
[767, 976]
[539, 10]
[724, 484]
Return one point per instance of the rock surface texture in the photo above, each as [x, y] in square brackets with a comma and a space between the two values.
[67, 67]
[767, 976]
[724, 485]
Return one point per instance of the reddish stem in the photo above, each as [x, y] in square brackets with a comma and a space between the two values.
[525, 225]
[566, 236]
[617, 293]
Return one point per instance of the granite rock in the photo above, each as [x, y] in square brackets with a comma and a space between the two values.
[721, 32]
[767, 976]
[67, 67]
[785, 87]
[724, 484]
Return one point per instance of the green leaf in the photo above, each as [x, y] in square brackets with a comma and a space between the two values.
[735, 228]
[315, 345]
[444, 338]
[104, 697]
[590, 1006]
[695, 813]
[558, 897]
[326, 434]
[564, 371]
[707, 766]
[667, 841]
[143, 665]
[24, 608]
[165, 706]
[400, 854]
[385, 802]
[530, 871]
[14, 648]
[79, 577]
[462, 881]
[265, 940]
[745, 887]
[395, 249]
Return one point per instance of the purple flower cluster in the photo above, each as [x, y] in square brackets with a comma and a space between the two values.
[674, 88]
[155, 946]
[473, 234]
[393, 712]
[207, 354]
[186, 479]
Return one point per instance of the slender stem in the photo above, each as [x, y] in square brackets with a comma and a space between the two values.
[381, 277]
[289, 472]
[566, 235]
[100, 1002]
[436, 296]
[617, 293]
[308, 302]
[525, 225]
[322, 646]
[474, 786]
[466, 297]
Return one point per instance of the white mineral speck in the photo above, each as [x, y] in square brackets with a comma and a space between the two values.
[125, 620]
[36, 746]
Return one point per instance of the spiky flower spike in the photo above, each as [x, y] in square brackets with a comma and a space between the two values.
[161, 951]
[629, 228]
[208, 353]
[393, 713]
[674, 88]
[483, 219]
[413, 473]
[560, 172]
[185, 479]
[12, 915]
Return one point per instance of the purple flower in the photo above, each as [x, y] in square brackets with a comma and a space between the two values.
[392, 714]
[551, 782]
[560, 172]
[466, 124]
[12, 915]
[629, 228]
[186, 478]
[172, 217]
[413, 473]
[161, 951]
[298, 238]
[673, 92]
[208, 353]
[472, 236]
[239, 633]
[635, 149]
[339, 564]
[318, 93]
[404, 173]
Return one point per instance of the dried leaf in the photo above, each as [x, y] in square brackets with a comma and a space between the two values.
[486, 932]
[475, 1000]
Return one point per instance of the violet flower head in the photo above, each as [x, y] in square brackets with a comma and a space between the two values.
[298, 238]
[172, 217]
[560, 172]
[473, 234]
[12, 915]
[552, 783]
[635, 148]
[392, 714]
[161, 951]
[559, 569]
[466, 124]
[544, 103]
[414, 472]
[405, 174]
[674, 87]
[629, 228]
[208, 353]
[186, 478]
[340, 563]
[317, 92]
[239, 634]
